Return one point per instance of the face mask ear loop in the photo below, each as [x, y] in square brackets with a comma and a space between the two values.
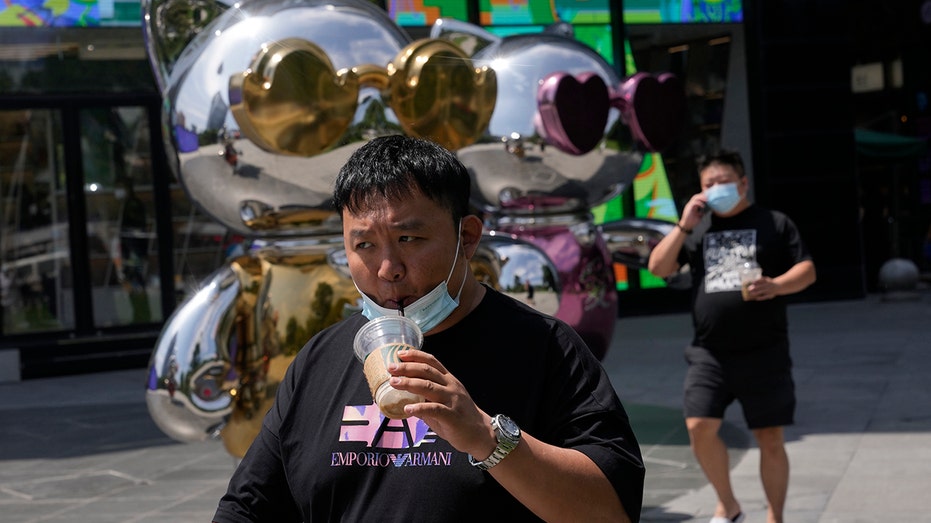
[462, 285]
[455, 257]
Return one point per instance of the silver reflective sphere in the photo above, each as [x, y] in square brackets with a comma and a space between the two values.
[519, 269]
[229, 176]
[522, 62]
[185, 392]
[514, 169]
[222, 354]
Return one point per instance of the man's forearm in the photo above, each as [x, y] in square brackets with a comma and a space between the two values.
[558, 484]
[796, 279]
[664, 258]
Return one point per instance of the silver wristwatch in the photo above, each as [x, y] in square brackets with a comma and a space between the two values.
[508, 434]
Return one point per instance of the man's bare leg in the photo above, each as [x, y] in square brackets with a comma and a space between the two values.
[711, 453]
[774, 470]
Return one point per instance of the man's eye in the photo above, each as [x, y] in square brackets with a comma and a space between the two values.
[406, 239]
[363, 245]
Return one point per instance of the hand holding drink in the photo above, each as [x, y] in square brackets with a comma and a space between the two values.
[749, 272]
[376, 345]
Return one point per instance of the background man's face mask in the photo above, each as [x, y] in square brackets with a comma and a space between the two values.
[430, 309]
[723, 197]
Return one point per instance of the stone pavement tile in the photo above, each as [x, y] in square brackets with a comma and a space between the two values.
[182, 492]
[131, 505]
[890, 471]
[37, 432]
[125, 386]
[909, 448]
[906, 403]
[807, 495]
[871, 499]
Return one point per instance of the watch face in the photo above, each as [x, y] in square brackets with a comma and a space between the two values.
[508, 427]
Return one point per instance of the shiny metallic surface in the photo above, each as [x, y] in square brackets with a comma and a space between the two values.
[631, 240]
[222, 354]
[508, 263]
[297, 150]
[291, 100]
[191, 349]
[543, 180]
[437, 93]
[588, 298]
[264, 102]
[169, 25]
[522, 62]
[515, 170]
[654, 107]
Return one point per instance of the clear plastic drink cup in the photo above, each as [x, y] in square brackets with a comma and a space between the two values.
[376, 345]
[749, 272]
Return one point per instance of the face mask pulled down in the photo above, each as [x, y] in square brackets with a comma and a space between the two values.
[723, 197]
[429, 310]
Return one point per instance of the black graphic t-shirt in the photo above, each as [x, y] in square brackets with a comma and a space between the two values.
[325, 452]
[723, 320]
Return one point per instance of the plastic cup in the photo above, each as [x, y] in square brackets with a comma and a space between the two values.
[749, 273]
[376, 345]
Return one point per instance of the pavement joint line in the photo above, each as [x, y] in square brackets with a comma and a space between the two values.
[65, 477]
[672, 463]
[15, 493]
[193, 495]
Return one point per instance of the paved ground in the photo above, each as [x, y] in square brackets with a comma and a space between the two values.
[83, 449]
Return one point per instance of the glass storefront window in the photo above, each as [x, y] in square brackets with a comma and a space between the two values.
[35, 264]
[118, 194]
[201, 245]
[123, 282]
[63, 60]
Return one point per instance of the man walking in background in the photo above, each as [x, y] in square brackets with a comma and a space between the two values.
[740, 349]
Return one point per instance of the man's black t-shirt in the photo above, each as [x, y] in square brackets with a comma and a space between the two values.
[325, 453]
[723, 320]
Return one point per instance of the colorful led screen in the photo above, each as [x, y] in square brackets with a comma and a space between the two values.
[598, 37]
[425, 12]
[70, 13]
[543, 12]
[682, 11]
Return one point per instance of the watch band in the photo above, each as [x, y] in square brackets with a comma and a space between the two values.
[508, 434]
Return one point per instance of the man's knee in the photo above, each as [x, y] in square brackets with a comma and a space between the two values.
[770, 439]
[702, 428]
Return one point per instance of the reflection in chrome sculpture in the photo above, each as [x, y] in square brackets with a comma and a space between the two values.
[264, 100]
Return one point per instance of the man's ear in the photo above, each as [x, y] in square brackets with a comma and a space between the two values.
[472, 229]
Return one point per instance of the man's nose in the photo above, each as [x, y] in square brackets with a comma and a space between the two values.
[391, 268]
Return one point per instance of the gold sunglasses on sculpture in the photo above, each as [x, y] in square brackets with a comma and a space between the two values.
[292, 101]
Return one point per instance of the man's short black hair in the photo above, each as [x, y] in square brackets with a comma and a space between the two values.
[397, 166]
[723, 157]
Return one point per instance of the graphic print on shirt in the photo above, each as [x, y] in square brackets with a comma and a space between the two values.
[724, 252]
[367, 424]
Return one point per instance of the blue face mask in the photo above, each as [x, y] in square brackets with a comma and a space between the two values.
[723, 197]
[430, 309]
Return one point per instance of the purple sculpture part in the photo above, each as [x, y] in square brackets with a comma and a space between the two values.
[588, 298]
[653, 107]
[573, 111]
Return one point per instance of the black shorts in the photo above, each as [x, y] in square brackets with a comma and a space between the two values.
[761, 380]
